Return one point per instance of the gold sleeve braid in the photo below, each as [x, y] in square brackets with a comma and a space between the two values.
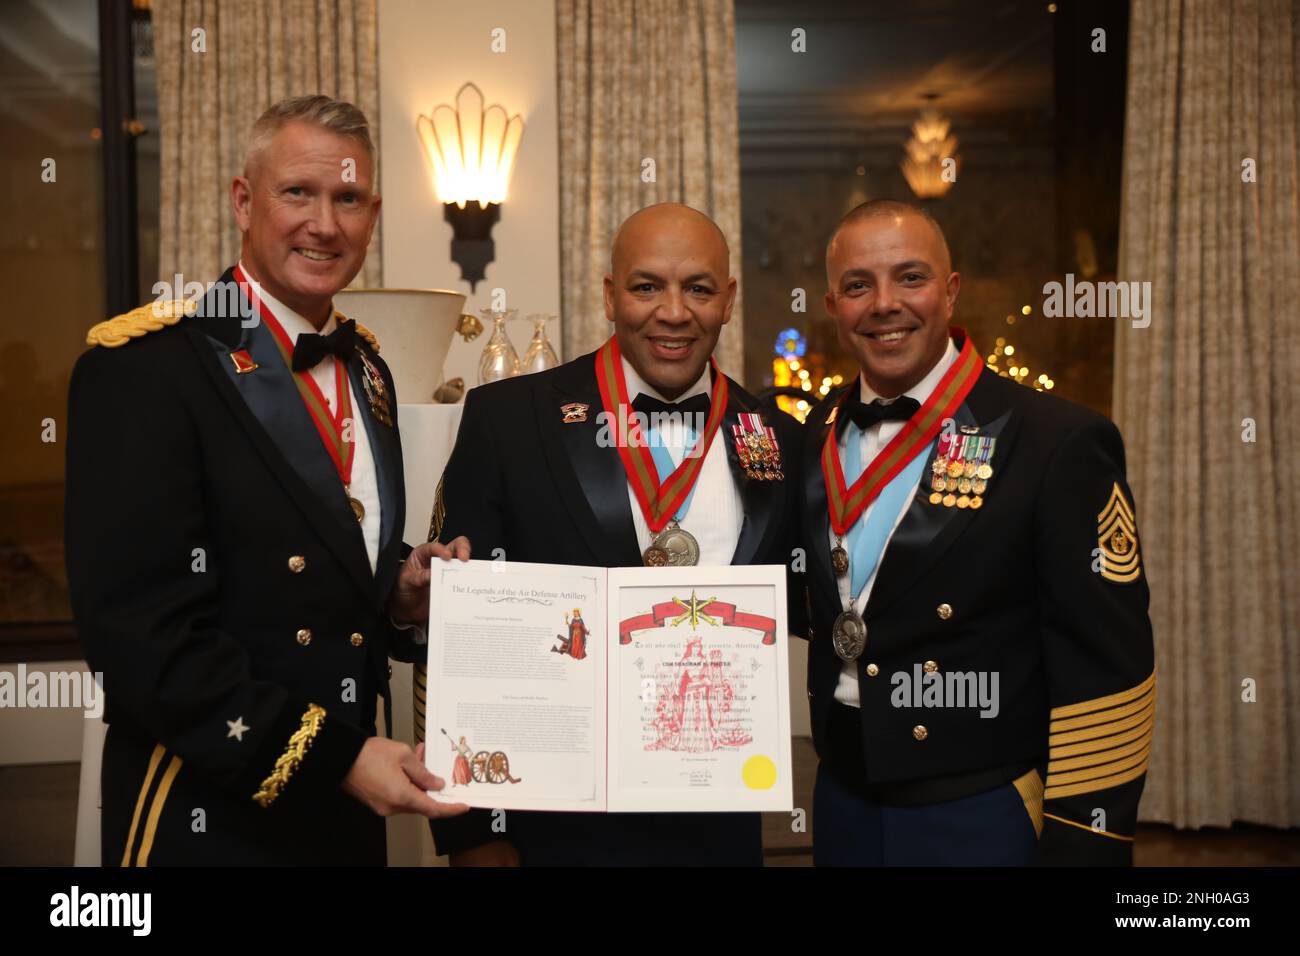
[288, 762]
[150, 317]
[1101, 743]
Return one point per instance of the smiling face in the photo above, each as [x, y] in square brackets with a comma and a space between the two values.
[892, 291]
[305, 226]
[669, 294]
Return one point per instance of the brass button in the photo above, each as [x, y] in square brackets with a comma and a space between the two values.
[930, 666]
[390, 671]
[919, 732]
[945, 611]
[872, 670]
[809, 693]
[304, 637]
[357, 640]
[296, 563]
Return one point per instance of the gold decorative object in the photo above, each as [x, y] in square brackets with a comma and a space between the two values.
[449, 393]
[469, 327]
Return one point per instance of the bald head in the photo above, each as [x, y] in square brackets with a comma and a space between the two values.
[895, 211]
[669, 219]
[891, 291]
[669, 293]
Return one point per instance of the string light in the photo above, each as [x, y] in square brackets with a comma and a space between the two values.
[1018, 372]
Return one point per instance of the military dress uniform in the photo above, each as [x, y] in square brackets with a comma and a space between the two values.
[530, 474]
[222, 583]
[1014, 552]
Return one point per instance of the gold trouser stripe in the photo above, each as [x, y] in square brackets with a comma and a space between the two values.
[1091, 786]
[1110, 742]
[1030, 788]
[1105, 730]
[154, 760]
[1105, 833]
[1102, 716]
[1124, 696]
[1100, 757]
[155, 811]
[1101, 770]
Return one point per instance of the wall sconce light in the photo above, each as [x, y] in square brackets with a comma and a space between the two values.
[471, 153]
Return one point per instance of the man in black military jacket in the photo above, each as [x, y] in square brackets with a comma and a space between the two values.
[234, 535]
[981, 670]
[530, 475]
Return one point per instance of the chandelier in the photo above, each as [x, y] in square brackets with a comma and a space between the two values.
[931, 161]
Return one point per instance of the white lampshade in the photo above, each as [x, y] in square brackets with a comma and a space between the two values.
[414, 328]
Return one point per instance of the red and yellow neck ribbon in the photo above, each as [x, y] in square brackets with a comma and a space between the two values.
[336, 430]
[659, 502]
[847, 504]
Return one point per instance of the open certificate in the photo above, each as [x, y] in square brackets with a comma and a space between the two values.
[553, 687]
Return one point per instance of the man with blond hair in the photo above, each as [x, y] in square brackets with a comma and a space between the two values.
[234, 513]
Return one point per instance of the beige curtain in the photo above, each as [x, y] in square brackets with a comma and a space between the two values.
[638, 80]
[1212, 86]
[256, 52]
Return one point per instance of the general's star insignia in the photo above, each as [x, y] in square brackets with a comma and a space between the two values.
[237, 728]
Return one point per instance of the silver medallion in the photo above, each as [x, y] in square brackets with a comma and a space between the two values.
[674, 547]
[849, 635]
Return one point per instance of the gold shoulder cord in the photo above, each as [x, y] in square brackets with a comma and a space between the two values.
[147, 318]
[369, 336]
[288, 762]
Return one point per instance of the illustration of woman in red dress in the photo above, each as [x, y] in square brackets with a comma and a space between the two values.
[460, 768]
[576, 645]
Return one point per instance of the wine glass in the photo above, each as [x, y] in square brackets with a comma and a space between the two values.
[499, 357]
[539, 356]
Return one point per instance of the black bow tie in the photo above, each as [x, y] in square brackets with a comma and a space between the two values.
[311, 348]
[865, 416]
[695, 405]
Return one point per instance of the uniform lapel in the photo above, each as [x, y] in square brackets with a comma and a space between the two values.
[267, 403]
[816, 514]
[586, 466]
[386, 450]
[927, 530]
[763, 500]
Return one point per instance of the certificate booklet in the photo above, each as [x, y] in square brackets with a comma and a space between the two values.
[553, 687]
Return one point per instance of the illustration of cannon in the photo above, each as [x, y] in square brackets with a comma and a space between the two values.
[491, 768]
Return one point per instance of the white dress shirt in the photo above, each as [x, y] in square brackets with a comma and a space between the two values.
[365, 485]
[717, 511]
[874, 439]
